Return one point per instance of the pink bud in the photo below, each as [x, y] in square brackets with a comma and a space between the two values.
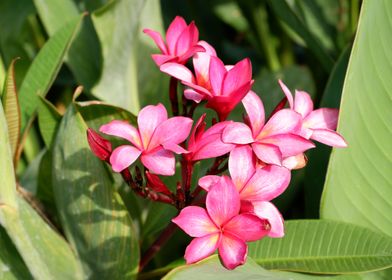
[101, 147]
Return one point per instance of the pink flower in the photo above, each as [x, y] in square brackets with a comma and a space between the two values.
[256, 186]
[207, 144]
[222, 86]
[155, 140]
[318, 125]
[220, 226]
[182, 42]
[272, 141]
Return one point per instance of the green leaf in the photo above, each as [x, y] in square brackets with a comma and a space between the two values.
[48, 121]
[44, 69]
[11, 107]
[92, 213]
[322, 246]
[358, 186]
[286, 14]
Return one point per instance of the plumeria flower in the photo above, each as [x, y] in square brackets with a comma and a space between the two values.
[155, 140]
[318, 125]
[222, 86]
[220, 226]
[207, 144]
[181, 42]
[256, 186]
[272, 141]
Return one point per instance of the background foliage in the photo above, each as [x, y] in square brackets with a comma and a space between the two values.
[65, 215]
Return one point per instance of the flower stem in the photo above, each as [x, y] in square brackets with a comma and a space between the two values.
[173, 95]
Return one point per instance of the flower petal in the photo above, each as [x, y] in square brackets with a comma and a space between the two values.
[237, 133]
[223, 201]
[160, 59]
[187, 39]
[177, 149]
[283, 121]
[208, 181]
[248, 226]
[201, 247]
[217, 73]
[201, 64]
[241, 165]
[178, 71]
[160, 162]
[124, 130]
[190, 52]
[295, 162]
[266, 184]
[289, 144]
[288, 94]
[195, 221]
[329, 137]
[325, 118]
[239, 75]
[255, 109]
[176, 27]
[148, 120]
[232, 251]
[303, 103]
[268, 153]
[157, 39]
[123, 156]
[266, 210]
[193, 95]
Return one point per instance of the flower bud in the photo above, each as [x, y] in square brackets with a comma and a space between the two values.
[101, 147]
[156, 184]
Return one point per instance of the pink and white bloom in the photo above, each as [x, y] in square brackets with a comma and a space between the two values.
[318, 125]
[222, 86]
[256, 186]
[155, 140]
[220, 226]
[181, 42]
[207, 144]
[272, 141]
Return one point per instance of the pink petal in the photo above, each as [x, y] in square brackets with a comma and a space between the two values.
[325, 118]
[232, 251]
[123, 156]
[177, 149]
[201, 247]
[177, 26]
[208, 181]
[177, 71]
[193, 95]
[241, 165]
[237, 133]
[303, 103]
[197, 131]
[295, 162]
[190, 52]
[201, 64]
[160, 162]
[157, 39]
[239, 75]
[329, 137]
[268, 153]
[288, 94]
[289, 144]
[255, 110]
[283, 121]
[124, 130]
[174, 130]
[198, 88]
[148, 120]
[187, 39]
[162, 58]
[266, 210]
[247, 226]
[211, 146]
[223, 201]
[266, 184]
[195, 221]
[217, 73]
[208, 49]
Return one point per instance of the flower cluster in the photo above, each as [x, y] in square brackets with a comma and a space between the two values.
[259, 153]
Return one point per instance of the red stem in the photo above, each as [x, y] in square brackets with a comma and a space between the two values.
[173, 95]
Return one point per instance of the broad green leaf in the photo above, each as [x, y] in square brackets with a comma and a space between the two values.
[11, 107]
[44, 69]
[230, 13]
[286, 14]
[358, 186]
[11, 264]
[92, 213]
[48, 121]
[323, 246]
[29, 179]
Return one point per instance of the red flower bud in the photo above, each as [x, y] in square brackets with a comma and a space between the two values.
[101, 147]
[156, 184]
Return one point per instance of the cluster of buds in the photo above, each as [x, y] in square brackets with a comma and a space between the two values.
[258, 153]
